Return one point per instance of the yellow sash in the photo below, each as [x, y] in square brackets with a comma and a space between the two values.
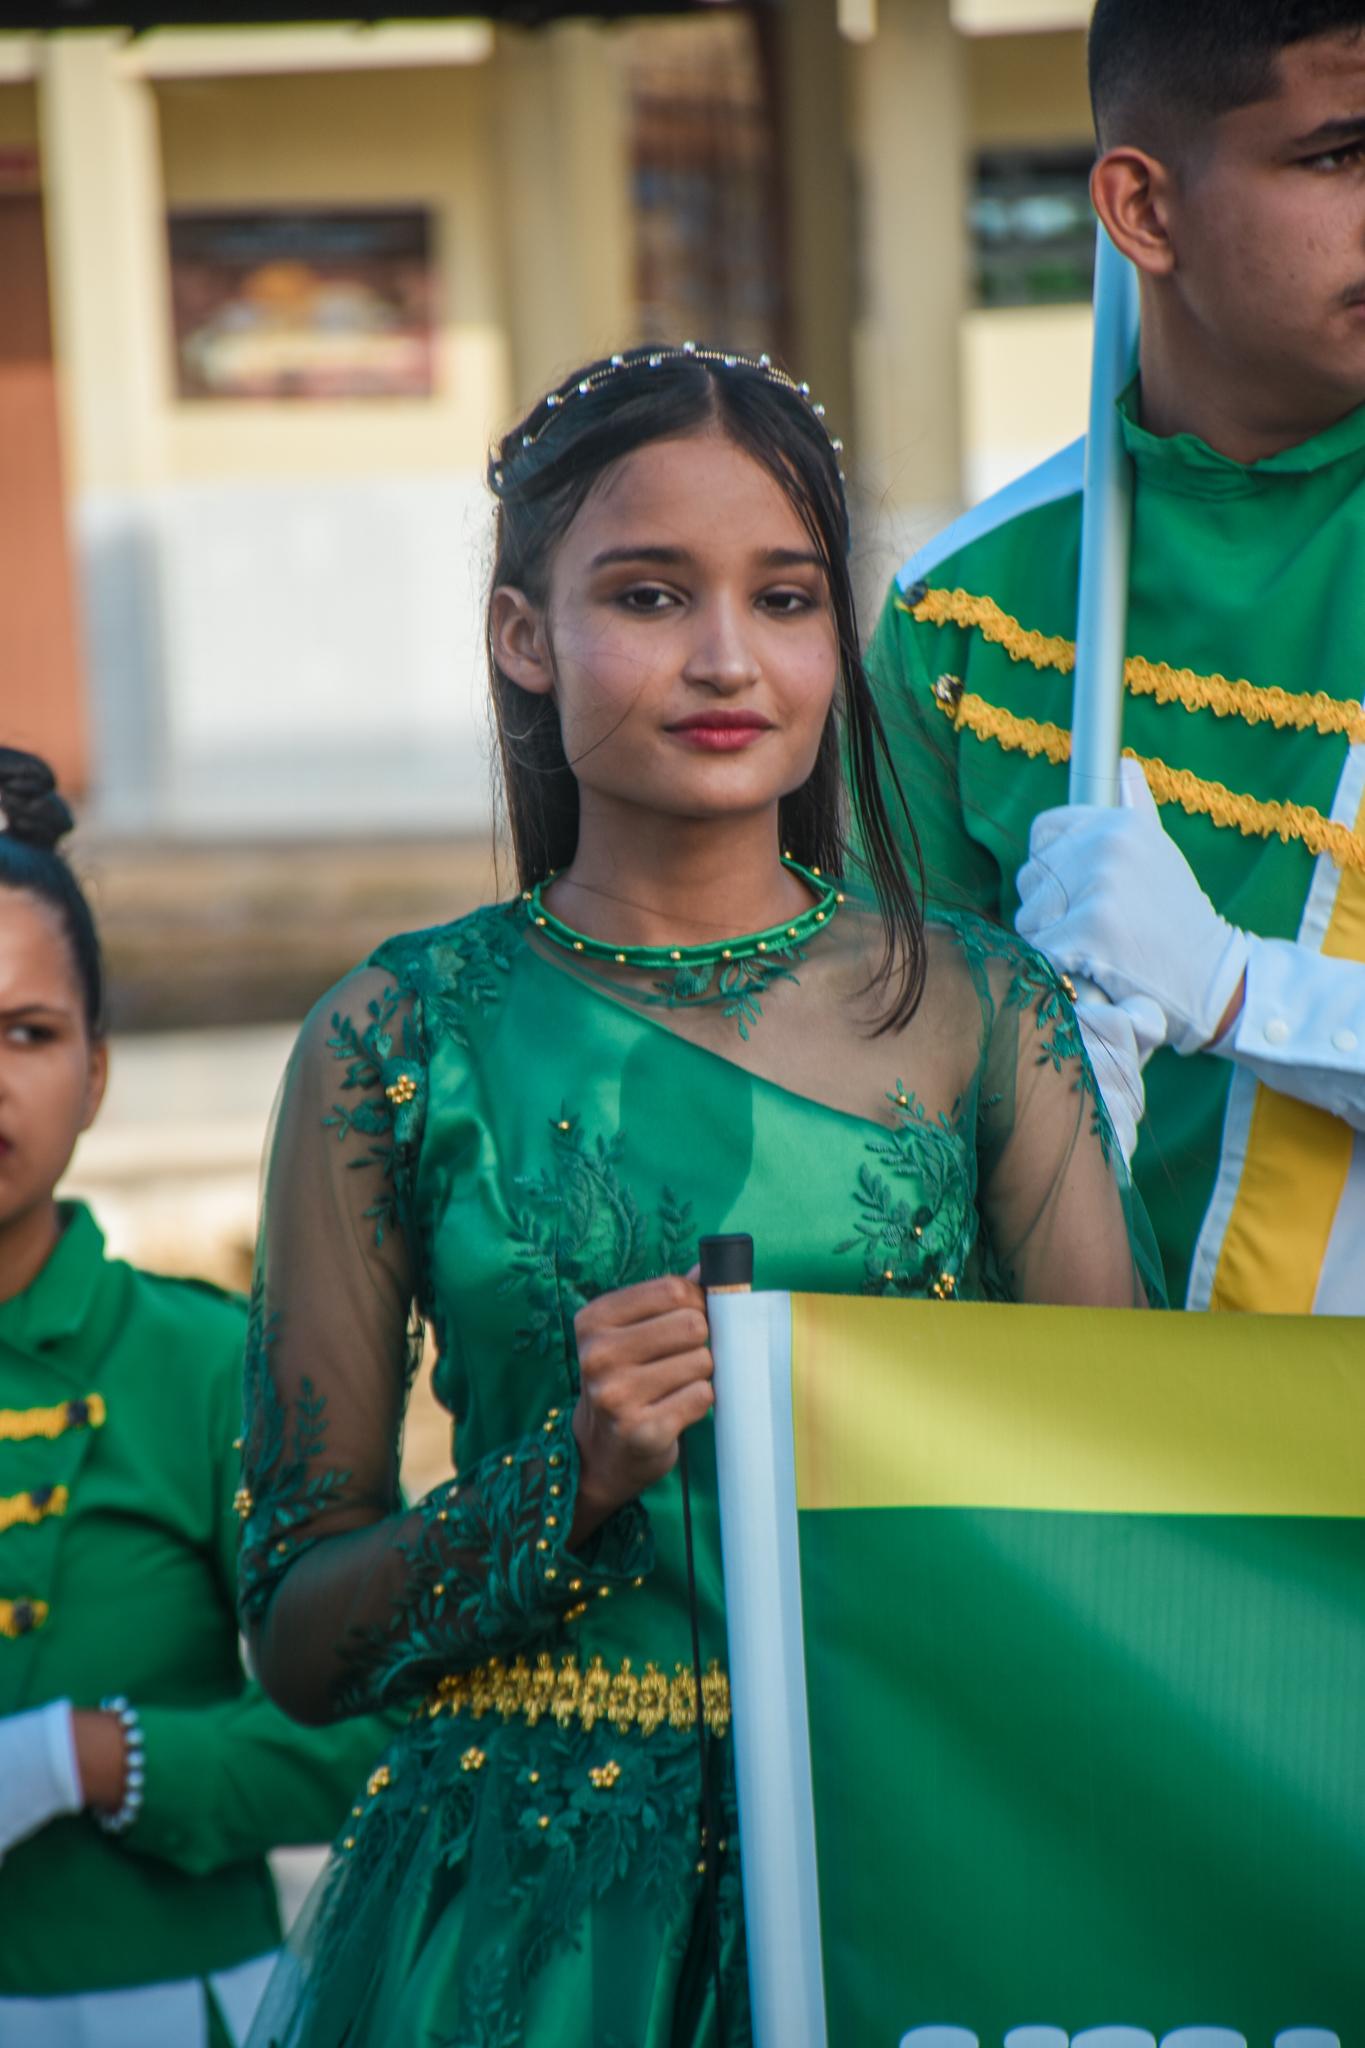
[1297, 1160]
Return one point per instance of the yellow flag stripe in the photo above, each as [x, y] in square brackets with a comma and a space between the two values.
[1275, 1244]
[922, 1404]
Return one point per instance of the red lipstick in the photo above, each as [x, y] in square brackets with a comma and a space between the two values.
[722, 732]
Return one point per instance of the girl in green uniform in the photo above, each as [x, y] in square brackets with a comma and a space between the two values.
[142, 1776]
[515, 1126]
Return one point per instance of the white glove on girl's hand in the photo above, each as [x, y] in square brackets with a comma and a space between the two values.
[39, 1776]
[1108, 896]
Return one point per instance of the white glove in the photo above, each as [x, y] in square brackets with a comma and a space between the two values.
[39, 1776]
[1120, 1039]
[1108, 896]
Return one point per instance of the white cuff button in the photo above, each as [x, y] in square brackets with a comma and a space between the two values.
[1344, 1041]
[1277, 1032]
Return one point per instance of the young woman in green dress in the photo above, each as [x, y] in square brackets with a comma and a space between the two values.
[142, 1775]
[514, 1127]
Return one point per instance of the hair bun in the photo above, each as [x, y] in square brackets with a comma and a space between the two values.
[33, 809]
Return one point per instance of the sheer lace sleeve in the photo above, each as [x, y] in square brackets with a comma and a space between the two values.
[1061, 1219]
[351, 1600]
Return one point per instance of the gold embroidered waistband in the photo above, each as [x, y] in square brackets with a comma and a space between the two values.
[21, 1617]
[567, 1692]
[1255, 817]
[1255, 703]
[17, 1425]
[34, 1506]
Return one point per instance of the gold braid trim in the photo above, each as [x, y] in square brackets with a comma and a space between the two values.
[1255, 817]
[23, 1507]
[569, 1693]
[1256, 703]
[17, 1425]
[20, 1617]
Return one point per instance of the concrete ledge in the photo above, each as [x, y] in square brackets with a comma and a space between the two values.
[199, 934]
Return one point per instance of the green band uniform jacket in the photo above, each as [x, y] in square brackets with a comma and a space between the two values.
[1243, 704]
[119, 1406]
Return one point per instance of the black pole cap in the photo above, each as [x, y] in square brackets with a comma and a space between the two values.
[727, 1261]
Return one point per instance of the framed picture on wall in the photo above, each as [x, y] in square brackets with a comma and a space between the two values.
[303, 303]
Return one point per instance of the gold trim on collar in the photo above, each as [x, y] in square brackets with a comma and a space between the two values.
[17, 1425]
[33, 1506]
[21, 1617]
[568, 1693]
[1256, 703]
[1254, 817]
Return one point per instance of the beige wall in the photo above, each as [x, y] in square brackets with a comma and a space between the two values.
[1027, 89]
[1025, 389]
[337, 139]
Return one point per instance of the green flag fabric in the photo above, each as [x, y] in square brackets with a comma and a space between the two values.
[1084, 1618]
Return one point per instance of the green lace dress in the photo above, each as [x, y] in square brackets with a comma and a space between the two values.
[483, 1128]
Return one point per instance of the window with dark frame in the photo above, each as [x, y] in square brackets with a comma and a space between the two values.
[1032, 226]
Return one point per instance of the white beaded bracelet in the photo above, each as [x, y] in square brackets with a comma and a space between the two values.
[134, 1775]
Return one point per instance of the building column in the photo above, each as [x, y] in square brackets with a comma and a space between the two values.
[807, 59]
[107, 249]
[564, 175]
[909, 99]
[106, 234]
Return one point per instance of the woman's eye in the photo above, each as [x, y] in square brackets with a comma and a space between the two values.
[648, 598]
[786, 604]
[30, 1034]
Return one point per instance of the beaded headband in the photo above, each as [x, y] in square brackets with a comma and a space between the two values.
[689, 351]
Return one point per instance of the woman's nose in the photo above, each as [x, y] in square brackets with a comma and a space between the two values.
[723, 654]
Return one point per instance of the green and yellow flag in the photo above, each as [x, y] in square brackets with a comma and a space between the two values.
[1082, 1601]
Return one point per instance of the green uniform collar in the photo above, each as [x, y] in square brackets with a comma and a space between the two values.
[1184, 464]
[56, 1306]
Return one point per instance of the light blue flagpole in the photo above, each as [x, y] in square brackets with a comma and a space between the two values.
[756, 1474]
[1106, 535]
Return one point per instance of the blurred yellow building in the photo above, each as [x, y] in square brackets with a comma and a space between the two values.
[270, 292]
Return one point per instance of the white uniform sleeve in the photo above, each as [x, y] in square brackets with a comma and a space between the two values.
[1302, 1027]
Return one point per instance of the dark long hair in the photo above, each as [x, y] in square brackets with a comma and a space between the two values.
[35, 818]
[540, 475]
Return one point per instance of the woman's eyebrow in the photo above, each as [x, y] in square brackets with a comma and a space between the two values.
[792, 558]
[672, 558]
[12, 1013]
[667, 557]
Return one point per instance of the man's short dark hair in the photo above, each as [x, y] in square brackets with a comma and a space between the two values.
[1160, 67]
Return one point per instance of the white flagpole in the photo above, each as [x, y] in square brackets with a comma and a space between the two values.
[1106, 534]
[756, 1471]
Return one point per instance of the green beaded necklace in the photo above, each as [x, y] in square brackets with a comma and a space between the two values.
[732, 972]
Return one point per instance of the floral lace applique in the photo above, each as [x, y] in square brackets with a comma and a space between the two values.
[487, 1571]
[577, 1815]
[390, 1076]
[738, 986]
[1036, 985]
[456, 968]
[579, 1231]
[916, 1248]
[283, 1486]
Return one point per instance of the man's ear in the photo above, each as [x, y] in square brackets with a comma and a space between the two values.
[521, 646]
[1132, 192]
